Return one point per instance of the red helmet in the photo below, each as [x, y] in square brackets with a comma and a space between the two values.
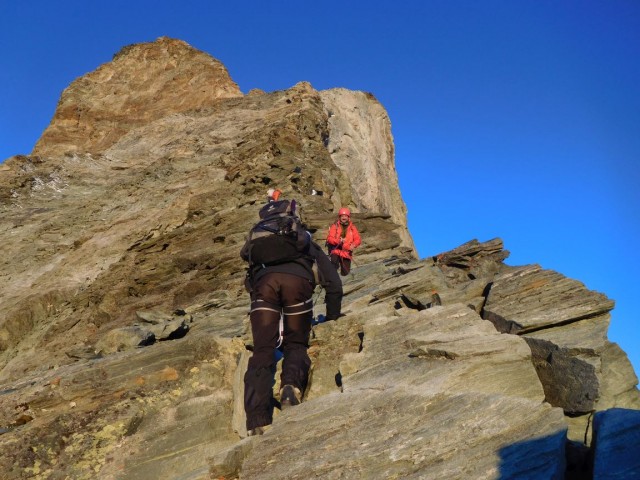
[273, 194]
[344, 211]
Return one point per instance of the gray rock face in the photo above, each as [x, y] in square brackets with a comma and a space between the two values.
[448, 349]
[360, 144]
[405, 434]
[124, 336]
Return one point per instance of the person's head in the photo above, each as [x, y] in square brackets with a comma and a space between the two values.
[344, 216]
[273, 194]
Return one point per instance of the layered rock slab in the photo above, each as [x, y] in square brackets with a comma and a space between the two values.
[565, 324]
[148, 414]
[404, 434]
[441, 349]
[396, 418]
[574, 363]
[529, 298]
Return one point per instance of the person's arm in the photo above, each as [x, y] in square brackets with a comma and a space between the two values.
[330, 281]
[356, 237]
[244, 253]
[333, 238]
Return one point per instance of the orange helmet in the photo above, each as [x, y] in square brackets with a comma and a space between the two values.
[274, 194]
[344, 211]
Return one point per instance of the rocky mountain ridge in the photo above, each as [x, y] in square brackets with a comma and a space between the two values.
[124, 337]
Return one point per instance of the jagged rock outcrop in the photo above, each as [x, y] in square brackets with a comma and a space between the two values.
[143, 83]
[565, 325]
[124, 338]
[360, 143]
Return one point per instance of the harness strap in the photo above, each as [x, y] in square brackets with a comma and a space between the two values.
[264, 309]
[287, 310]
[256, 306]
[298, 304]
[259, 304]
[280, 332]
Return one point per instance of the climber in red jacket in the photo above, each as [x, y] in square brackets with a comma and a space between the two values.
[342, 239]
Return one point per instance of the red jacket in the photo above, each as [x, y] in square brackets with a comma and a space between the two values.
[348, 236]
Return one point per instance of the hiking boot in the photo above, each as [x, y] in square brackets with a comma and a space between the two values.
[289, 396]
[255, 431]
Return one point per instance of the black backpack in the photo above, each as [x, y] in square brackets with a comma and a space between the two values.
[278, 237]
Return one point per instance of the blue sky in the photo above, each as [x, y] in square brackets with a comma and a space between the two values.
[511, 119]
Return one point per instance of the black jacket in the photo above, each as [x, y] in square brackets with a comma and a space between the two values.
[327, 275]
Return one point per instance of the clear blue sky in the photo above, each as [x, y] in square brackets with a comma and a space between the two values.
[512, 119]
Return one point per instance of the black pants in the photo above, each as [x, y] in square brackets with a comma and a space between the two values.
[275, 294]
[342, 263]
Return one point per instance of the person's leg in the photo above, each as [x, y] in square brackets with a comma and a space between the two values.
[335, 259]
[345, 266]
[297, 295]
[259, 378]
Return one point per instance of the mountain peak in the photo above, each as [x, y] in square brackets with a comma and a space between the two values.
[143, 82]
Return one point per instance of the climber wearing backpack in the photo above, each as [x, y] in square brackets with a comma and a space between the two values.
[343, 237]
[281, 281]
